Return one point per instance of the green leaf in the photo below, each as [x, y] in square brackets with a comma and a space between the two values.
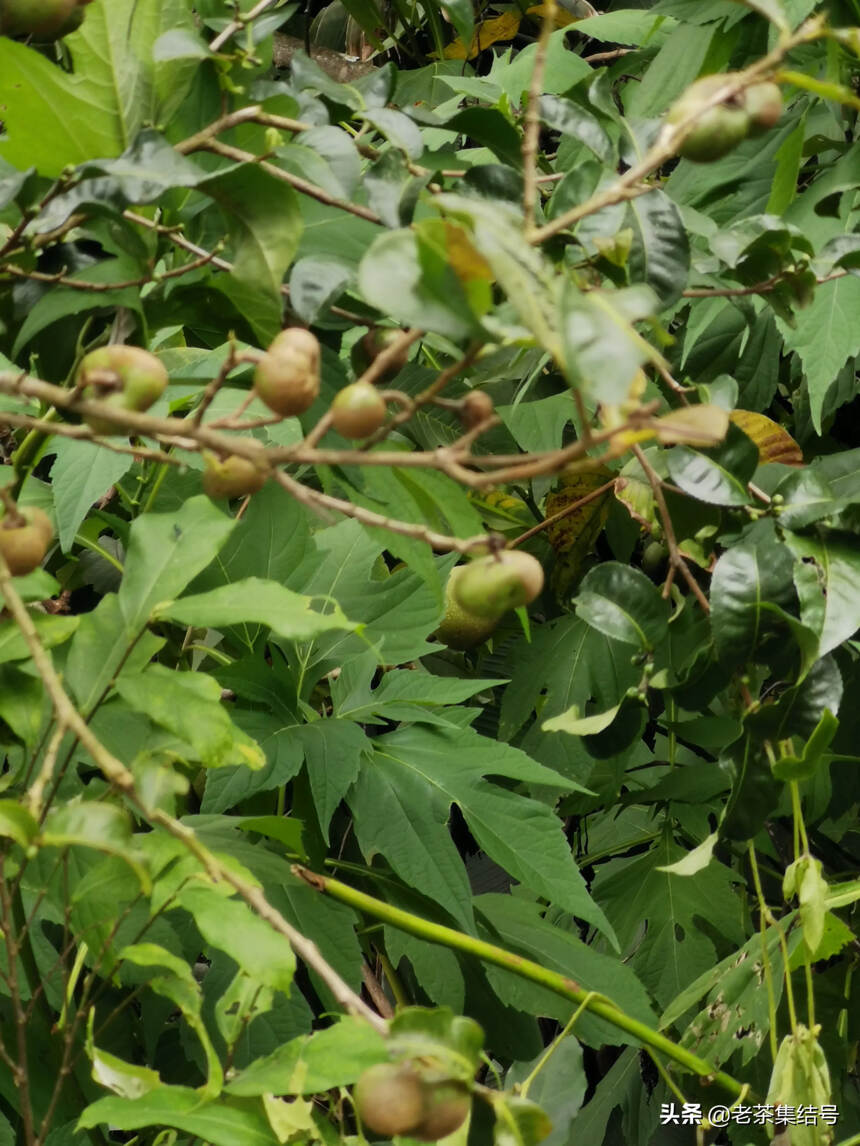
[102, 651]
[329, 1058]
[519, 925]
[620, 602]
[51, 631]
[16, 823]
[85, 823]
[80, 475]
[166, 551]
[222, 1123]
[602, 349]
[718, 476]
[233, 927]
[660, 255]
[824, 337]
[419, 766]
[264, 225]
[675, 948]
[832, 609]
[568, 117]
[288, 614]
[748, 578]
[393, 278]
[189, 705]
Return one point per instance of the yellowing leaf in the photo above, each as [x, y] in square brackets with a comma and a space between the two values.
[774, 443]
[700, 426]
[574, 535]
[464, 257]
[562, 16]
[488, 32]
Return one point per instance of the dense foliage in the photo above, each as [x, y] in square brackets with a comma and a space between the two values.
[538, 850]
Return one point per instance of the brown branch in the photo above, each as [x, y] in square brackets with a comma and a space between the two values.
[676, 558]
[531, 133]
[315, 500]
[303, 186]
[252, 114]
[630, 184]
[759, 288]
[61, 279]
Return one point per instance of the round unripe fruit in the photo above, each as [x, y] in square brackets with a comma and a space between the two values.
[389, 1099]
[366, 351]
[476, 408]
[232, 477]
[25, 544]
[447, 1106]
[763, 105]
[43, 19]
[125, 377]
[493, 585]
[287, 377]
[718, 130]
[654, 558]
[459, 628]
[358, 410]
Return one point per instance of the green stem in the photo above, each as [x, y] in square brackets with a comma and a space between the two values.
[764, 916]
[525, 968]
[26, 454]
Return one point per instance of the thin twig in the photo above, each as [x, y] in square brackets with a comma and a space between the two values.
[237, 25]
[531, 133]
[675, 556]
[562, 513]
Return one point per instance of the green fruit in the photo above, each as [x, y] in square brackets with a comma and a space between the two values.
[43, 19]
[365, 352]
[461, 629]
[447, 1106]
[654, 558]
[389, 1099]
[25, 542]
[476, 408]
[718, 130]
[125, 377]
[232, 477]
[287, 377]
[358, 410]
[763, 105]
[492, 585]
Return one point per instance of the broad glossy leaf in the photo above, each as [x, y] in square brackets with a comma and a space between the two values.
[774, 442]
[264, 224]
[746, 579]
[832, 610]
[660, 255]
[620, 602]
[16, 823]
[718, 476]
[51, 631]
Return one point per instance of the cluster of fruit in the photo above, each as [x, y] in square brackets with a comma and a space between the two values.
[398, 1098]
[41, 19]
[719, 129]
